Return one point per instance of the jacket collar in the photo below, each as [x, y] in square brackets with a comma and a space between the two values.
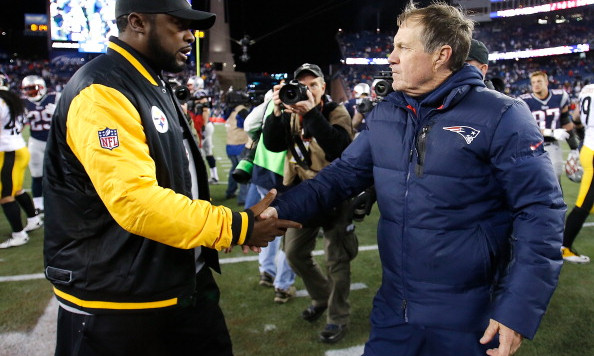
[115, 45]
[449, 93]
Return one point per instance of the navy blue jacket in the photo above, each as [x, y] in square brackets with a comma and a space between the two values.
[471, 214]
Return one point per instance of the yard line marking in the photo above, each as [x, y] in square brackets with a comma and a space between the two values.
[351, 351]
[255, 258]
[22, 277]
[28, 277]
[354, 286]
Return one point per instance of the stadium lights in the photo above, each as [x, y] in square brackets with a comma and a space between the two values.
[495, 56]
[542, 52]
[562, 5]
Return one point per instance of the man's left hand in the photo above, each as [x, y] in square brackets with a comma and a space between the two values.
[509, 340]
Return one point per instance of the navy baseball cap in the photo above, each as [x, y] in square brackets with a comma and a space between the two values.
[201, 20]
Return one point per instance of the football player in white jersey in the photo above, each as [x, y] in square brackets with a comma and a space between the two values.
[39, 108]
[550, 108]
[585, 200]
[14, 157]
[199, 107]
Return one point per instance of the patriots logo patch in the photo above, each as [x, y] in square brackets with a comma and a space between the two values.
[467, 132]
[108, 138]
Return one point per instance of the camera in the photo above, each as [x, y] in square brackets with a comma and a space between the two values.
[243, 171]
[293, 92]
[364, 106]
[199, 106]
[182, 93]
[383, 83]
[361, 205]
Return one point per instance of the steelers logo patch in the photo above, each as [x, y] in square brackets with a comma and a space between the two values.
[159, 119]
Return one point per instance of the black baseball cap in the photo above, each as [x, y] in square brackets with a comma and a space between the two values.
[478, 52]
[307, 67]
[201, 20]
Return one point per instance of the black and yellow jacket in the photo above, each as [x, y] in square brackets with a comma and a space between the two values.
[121, 227]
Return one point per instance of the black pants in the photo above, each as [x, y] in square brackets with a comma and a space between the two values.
[194, 330]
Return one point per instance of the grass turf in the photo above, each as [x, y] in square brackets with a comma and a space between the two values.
[258, 326]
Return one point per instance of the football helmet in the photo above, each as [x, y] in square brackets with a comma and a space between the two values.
[361, 88]
[33, 87]
[4, 82]
[195, 83]
[573, 167]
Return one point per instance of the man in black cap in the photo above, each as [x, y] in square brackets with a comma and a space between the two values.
[133, 235]
[478, 56]
[314, 131]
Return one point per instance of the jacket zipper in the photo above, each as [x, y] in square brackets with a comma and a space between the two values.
[405, 310]
[421, 148]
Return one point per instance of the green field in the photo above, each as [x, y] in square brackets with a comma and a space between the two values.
[258, 326]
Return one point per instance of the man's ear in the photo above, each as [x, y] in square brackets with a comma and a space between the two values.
[442, 57]
[137, 22]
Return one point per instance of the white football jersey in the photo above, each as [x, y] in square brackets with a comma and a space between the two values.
[11, 138]
[586, 99]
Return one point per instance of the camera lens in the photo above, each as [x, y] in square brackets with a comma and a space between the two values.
[383, 88]
[292, 93]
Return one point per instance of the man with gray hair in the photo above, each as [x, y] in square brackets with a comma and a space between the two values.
[471, 213]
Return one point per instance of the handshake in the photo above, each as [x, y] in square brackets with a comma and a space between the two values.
[267, 225]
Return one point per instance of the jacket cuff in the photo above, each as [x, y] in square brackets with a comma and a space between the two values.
[242, 226]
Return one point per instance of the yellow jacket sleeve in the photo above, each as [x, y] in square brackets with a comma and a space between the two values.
[125, 178]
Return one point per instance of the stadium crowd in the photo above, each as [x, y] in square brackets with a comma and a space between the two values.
[569, 72]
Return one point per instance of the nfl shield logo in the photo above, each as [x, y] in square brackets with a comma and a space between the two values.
[108, 138]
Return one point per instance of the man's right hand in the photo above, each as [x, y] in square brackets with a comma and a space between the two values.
[266, 230]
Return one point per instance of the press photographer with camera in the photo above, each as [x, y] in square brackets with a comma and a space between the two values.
[367, 98]
[360, 105]
[314, 131]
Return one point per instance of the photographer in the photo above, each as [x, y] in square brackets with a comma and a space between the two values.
[362, 107]
[315, 131]
[366, 101]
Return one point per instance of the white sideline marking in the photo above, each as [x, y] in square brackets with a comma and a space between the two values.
[41, 341]
[351, 351]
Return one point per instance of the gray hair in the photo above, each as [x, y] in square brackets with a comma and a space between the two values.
[442, 24]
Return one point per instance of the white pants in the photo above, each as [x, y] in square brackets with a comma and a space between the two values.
[36, 149]
[554, 150]
[207, 141]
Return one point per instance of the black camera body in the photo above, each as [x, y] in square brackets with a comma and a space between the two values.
[383, 86]
[361, 204]
[365, 105]
[182, 93]
[198, 106]
[293, 92]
